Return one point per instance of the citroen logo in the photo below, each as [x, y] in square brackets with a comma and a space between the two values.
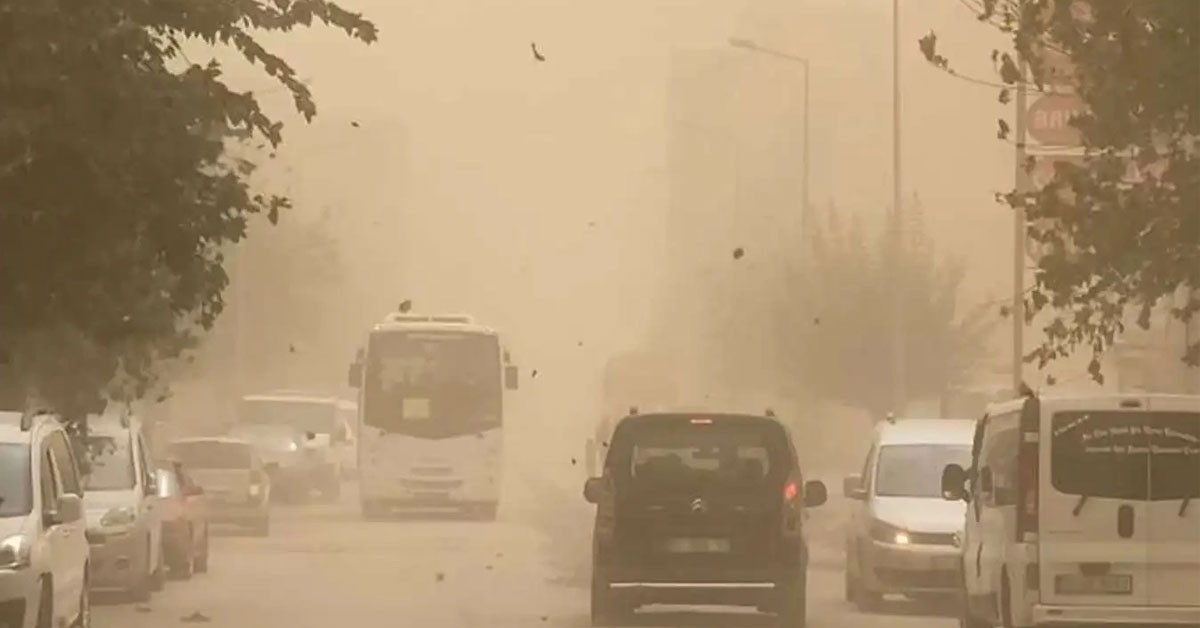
[699, 506]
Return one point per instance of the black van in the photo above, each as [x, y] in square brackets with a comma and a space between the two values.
[700, 509]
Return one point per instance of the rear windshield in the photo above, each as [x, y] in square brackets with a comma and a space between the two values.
[1126, 454]
[916, 470]
[212, 455]
[682, 453]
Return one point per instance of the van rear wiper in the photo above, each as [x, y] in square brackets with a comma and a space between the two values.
[1183, 507]
[1083, 499]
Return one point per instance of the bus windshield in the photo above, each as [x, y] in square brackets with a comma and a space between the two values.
[432, 384]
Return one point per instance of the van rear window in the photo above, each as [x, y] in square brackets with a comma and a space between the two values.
[1126, 454]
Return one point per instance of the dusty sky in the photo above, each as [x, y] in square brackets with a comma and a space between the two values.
[534, 194]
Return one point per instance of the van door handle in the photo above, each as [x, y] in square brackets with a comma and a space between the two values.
[1125, 521]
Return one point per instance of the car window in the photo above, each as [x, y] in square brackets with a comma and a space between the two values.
[145, 471]
[916, 470]
[999, 453]
[1130, 455]
[868, 468]
[15, 483]
[48, 484]
[65, 463]
[668, 456]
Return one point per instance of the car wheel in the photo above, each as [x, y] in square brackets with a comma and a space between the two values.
[262, 527]
[185, 564]
[45, 614]
[793, 608]
[850, 586]
[141, 587]
[200, 563]
[84, 618]
[606, 610]
[866, 600]
[158, 578]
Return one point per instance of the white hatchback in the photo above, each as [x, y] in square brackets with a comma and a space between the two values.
[43, 550]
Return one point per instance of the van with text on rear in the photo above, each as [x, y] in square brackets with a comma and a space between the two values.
[1079, 510]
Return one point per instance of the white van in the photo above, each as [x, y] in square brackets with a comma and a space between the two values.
[1079, 510]
[900, 538]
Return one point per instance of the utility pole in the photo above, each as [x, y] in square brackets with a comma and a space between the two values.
[1022, 184]
[899, 391]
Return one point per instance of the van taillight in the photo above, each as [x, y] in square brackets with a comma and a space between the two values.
[1027, 488]
[790, 491]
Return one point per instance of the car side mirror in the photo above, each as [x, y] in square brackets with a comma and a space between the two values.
[354, 376]
[593, 490]
[68, 510]
[815, 493]
[511, 377]
[852, 487]
[954, 483]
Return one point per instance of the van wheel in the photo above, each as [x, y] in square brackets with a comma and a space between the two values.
[262, 527]
[793, 608]
[84, 618]
[966, 619]
[140, 589]
[850, 586]
[1005, 601]
[201, 561]
[45, 614]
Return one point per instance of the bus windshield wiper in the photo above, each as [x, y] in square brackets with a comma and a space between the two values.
[1083, 499]
[1183, 507]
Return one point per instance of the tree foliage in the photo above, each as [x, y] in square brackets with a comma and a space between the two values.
[1120, 231]
[116, 193]
[840, 347]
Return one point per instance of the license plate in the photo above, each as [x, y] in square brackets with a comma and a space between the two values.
[433, 496]
[698, 546]
[1079, 584]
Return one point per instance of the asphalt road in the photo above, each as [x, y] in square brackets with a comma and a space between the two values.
[323, 567]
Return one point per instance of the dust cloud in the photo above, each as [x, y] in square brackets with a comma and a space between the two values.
[586, 205]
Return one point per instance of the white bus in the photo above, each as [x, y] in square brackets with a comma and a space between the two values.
[430, 415]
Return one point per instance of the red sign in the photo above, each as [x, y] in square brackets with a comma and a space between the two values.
[1049, 120]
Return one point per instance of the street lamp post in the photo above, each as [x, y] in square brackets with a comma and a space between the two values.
[747, 44]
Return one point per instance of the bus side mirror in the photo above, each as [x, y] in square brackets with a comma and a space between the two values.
[354, 377]
[510, 377]
[954, 483]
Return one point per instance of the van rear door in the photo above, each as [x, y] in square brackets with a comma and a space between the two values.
[1174, 507]
[1093, 521]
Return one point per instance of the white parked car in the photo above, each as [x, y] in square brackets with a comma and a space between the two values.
[43, 551]
[1080, 511]
[901, 538]
[124, 527]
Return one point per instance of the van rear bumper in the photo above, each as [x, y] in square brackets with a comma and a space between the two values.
[1117, 615]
